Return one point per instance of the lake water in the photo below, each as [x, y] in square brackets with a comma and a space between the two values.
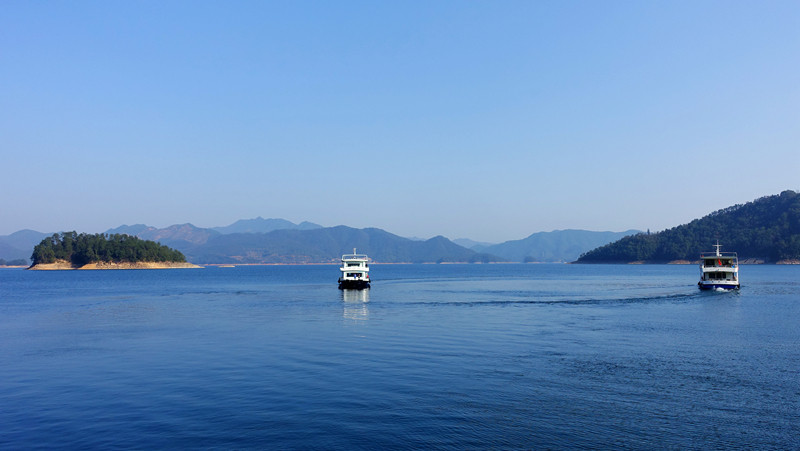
[431, 357]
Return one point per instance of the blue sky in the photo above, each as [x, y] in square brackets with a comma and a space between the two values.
[469, 119]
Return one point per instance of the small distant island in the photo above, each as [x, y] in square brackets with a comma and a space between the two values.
[71, 250]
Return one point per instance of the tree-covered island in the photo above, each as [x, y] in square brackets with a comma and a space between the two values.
[71, 249]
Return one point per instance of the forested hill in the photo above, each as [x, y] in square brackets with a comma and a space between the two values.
[766, 229]
[81, 249]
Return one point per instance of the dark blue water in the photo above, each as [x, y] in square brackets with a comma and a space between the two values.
[432, 357]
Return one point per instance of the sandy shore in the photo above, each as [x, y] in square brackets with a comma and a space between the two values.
[64, 265]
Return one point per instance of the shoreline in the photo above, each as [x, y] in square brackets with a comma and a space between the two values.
[66, 266]
[745, 262]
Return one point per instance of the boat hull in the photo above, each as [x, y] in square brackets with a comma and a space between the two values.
[718, 286]
[353, 284]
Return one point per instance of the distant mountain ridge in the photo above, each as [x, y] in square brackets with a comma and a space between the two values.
[313, 243]
[236, 243]
[186, 235]
[327, 245]
[261, 225]
[477, 246]
[280, 242]
[19, 245]
[273, 240]
[766, 229]
[555, 246]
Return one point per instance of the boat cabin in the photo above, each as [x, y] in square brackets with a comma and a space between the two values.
[719, 270]
[355, 271]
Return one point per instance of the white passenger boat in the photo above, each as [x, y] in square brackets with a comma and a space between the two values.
[355, 271]
[719, 270]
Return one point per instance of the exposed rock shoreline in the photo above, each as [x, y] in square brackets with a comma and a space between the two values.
[65, 265]
[746, 261]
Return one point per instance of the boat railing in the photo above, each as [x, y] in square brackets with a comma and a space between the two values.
[354, 257]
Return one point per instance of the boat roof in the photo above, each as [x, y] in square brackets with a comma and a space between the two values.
[715, 254]
[354, 257]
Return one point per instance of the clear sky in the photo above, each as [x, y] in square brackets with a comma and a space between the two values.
[488, 120]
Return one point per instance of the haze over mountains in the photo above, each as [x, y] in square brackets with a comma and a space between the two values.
[327, 245]
[273, 240]
[767, 229]
[19, 245]
[261, 225]
[555, 246]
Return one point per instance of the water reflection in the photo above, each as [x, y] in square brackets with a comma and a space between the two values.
[355, 304]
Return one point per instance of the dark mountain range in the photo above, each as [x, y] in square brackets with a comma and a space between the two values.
[555, 246]
[261, 225]
[767, 229]
[327, 245]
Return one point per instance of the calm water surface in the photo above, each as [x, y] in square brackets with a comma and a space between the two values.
[431, 357]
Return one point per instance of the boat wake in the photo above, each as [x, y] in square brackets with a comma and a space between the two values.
[550, 300]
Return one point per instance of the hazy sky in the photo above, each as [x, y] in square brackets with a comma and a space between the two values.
[488, 120]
